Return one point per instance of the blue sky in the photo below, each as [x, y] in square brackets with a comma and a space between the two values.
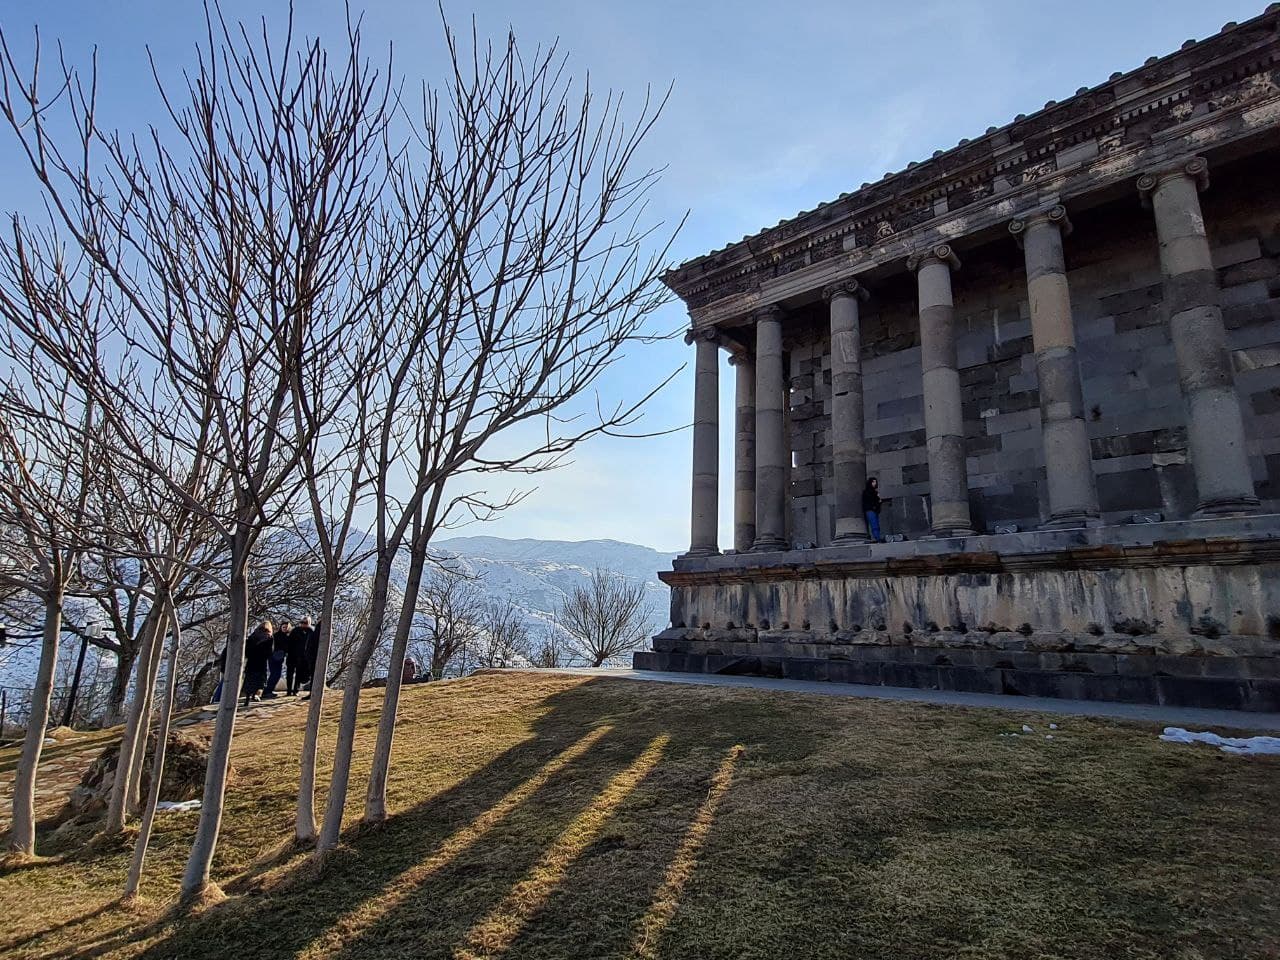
[774, 110]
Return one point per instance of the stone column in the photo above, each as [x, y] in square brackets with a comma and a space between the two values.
[744, 453]
[1215, 427]
[703, 539]
[943, 420]
[1073, 492]
[771, 449]
[849, 453]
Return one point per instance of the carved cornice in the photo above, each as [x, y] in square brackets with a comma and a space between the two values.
[1057, 215]
[844, 288]
[1193, 168]
[1098, 129]
[942, 253]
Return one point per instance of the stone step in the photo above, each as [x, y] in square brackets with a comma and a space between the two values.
[912, 667]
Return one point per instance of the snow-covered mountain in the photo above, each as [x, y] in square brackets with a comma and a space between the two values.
[537, 574]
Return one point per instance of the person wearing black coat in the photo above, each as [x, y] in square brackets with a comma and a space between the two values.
[296, 656]
[275, 665]
[257, 659]
[871, 504]
[313, 651]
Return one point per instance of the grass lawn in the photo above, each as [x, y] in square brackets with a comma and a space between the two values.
[559, 817]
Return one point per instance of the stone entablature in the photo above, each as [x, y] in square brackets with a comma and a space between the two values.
[1212, 96]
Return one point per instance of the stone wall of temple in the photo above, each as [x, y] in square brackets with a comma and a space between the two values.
[1135, 411]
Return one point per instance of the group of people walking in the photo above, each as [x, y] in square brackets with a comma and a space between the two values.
[271, 651]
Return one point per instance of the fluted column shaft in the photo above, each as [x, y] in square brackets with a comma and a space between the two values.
[848, 446]
[703, 538]
[771, 453]
[744, 453]
[943, 419]
[1073, 492]
[1215, 426]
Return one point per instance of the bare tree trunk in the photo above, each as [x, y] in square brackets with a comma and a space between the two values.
[305, 826]
[22, 837]
[195, 879]
[157, 764]
[331, 829]
[133, 786]
[135, 728]
[375, 801]
[125, 661]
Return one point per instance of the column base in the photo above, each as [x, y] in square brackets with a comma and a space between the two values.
[947, 533]
[769, 545]
[1072, 521]
[1226, 507]
[701, 552]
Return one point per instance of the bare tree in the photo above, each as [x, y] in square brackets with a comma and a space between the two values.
[157, 765]
[229, 238]
[452, 617]
[45, 493]
[504, 637]
[605, 617]
[546, 274]
[548, 650]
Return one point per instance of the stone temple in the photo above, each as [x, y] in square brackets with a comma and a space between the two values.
[1057, 346]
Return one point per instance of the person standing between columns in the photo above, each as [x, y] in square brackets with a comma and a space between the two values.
[771, 454]
[849, 453]
[1215, 426]
[744, 453]
[703, 538]
[1073, 492]
[943, 419]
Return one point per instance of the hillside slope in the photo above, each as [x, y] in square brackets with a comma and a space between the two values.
[546, 816]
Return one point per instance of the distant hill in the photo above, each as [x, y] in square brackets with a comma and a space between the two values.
[537, 574]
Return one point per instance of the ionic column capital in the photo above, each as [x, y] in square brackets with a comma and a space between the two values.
[1195, 169]
[740, 359]
[706, 333]
[844, 288]
[941, 253]
[1056, 215]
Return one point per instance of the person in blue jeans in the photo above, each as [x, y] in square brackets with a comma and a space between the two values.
[871, 503]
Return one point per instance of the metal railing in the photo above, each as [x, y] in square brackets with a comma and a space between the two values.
[88, 709]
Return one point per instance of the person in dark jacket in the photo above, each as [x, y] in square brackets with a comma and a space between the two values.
[257, 659]
[275, 665]
[313, 651]
[871, 504]
[296, 657]
[222, 676]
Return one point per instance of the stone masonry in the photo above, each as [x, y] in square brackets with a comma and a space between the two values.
[1057, 347]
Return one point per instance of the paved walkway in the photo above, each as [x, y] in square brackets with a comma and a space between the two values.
[1192, 718]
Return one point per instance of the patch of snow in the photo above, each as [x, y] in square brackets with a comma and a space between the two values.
[177, 806]
[1053, 726]
[1249, 745]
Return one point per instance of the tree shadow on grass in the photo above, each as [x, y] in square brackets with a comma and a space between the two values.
[368, 901]
[603, 883]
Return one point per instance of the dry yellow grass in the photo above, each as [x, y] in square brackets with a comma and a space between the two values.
[551, 816]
